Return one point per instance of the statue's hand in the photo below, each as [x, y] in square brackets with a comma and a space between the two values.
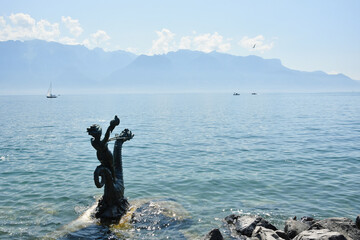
[126, 134]
[115, 122]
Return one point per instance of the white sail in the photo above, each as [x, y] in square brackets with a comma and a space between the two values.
[49, 93]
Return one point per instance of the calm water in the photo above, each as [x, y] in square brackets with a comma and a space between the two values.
[200, 156]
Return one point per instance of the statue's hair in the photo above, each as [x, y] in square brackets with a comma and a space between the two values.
[94, 128]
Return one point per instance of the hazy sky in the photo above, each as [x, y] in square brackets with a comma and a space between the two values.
[305, 35]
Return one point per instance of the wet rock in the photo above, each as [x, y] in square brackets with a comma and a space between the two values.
[159, 219]
[344, 226]
[282, 234]
[358, 221]
[245, 225]
[293, 227]
[231, 219]
[319, 234]
[308, 220]
[261, 233]
[214, 234]
[153, 215]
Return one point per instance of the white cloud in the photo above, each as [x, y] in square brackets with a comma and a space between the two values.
[185, 42]
[96, 39]
[164, 43]
[2, 22]
[132, 50]
[73, 25]
[333, 72]
[99, 37]
[68, 41]
[210, 42]
[47, 31]
[24, 27]
[205, 43]
[22, 20]
[21, 26]
[202, 42]
[256, 43]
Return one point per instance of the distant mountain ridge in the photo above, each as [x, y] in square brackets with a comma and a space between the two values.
[34, 64]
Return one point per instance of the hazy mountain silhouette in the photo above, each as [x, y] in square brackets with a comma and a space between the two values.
[34, 64]
[197, 71]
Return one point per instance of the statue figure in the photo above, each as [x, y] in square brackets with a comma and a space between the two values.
[113, 205]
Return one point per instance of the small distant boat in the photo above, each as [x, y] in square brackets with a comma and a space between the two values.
[49, 93]
[236, 94]
[254, 93]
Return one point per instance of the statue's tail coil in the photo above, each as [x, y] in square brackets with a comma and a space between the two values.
[105, 175]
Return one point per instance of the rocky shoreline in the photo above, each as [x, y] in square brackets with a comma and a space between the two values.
[257, 228]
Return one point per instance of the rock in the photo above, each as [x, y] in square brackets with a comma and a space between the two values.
[160, 215]
[214, 234]
[282, 234]
[308, 220]
[293, 227]
[261, 233]
[358, 221]
[319, 234]
[344, 226]
[245, 225]
[231, 219]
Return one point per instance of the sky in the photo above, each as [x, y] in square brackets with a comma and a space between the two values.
[305, 35]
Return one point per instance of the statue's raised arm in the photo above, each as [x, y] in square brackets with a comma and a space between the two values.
[113, 123]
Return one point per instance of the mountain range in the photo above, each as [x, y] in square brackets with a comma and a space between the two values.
[32, 65]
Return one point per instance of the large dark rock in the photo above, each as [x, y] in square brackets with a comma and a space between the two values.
[358, 221]
[293, 227]
[319, 234]
[214, 234]
[245, 225]
[344, 226]
[261, 233]
[282, 234]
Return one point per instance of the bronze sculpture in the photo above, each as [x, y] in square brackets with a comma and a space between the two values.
[113, 205]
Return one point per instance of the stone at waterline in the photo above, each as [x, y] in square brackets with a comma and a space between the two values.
[261, 233]
[163, 217]
[214, 234]
[159, 214]
[342, 225]
[245, 225]
[320, 234]
[282, 234]
[294, 227]
[358, 221]
[308, 220]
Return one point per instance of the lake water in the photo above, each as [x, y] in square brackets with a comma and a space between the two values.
[200, 156]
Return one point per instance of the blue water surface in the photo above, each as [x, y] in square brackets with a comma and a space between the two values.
[276, 155]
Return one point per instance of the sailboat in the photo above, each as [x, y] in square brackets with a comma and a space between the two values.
[49, 93]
